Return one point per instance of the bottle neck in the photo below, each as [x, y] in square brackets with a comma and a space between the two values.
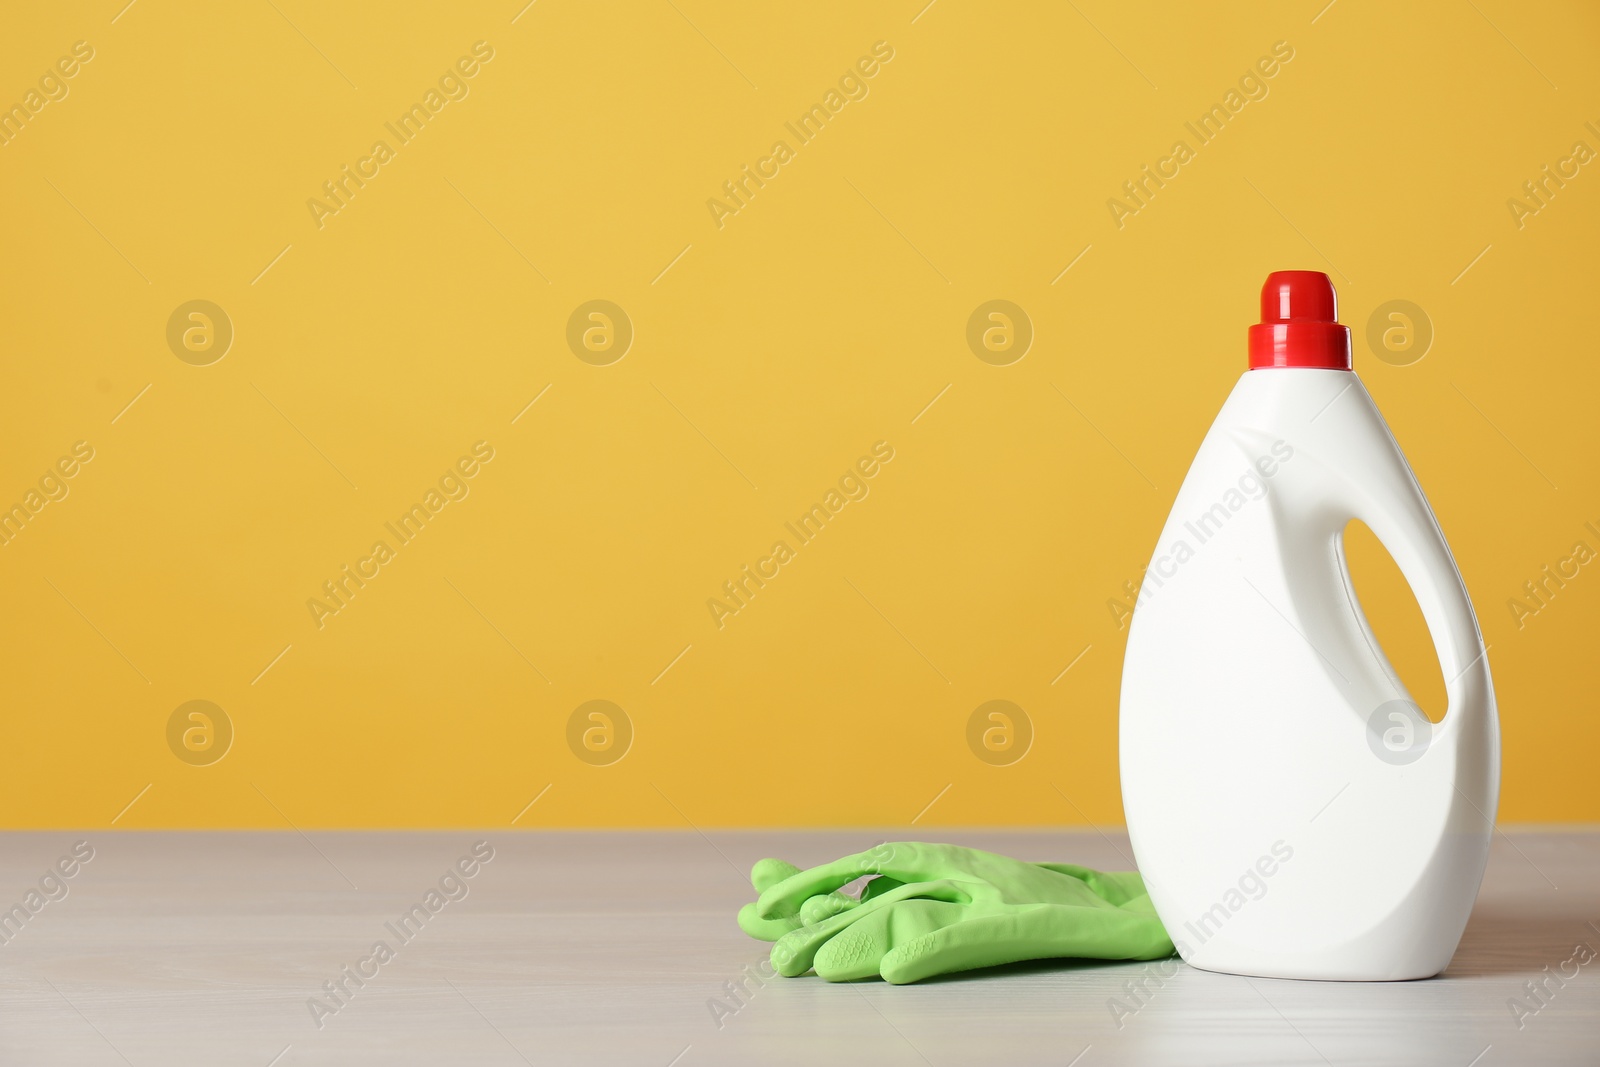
[1323, 345]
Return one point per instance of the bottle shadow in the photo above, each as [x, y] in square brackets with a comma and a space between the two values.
[1497, 941]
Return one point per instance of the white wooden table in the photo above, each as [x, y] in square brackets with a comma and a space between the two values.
[600, 948]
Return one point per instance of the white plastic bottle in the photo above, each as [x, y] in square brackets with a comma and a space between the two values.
[1292, 811]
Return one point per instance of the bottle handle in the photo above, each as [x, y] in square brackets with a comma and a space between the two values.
[1391, 503]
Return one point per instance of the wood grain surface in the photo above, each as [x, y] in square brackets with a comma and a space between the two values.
[613, 947]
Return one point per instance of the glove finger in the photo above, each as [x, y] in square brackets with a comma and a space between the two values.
[825, 906]
[814, 910]
[856, 951]
[765, 929]
[897, 860]
[794, 952]
[769, 872]
[1114, 887]
[1030, 932]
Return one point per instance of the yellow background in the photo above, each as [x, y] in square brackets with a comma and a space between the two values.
[768, 355]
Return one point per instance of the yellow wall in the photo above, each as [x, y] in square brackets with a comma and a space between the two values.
[773, 347]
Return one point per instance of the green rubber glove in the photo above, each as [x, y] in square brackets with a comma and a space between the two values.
[935, 909]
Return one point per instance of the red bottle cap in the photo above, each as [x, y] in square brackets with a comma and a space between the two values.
[1299, 324]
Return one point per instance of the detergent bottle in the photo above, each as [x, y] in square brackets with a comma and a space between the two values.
[1292, 810]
